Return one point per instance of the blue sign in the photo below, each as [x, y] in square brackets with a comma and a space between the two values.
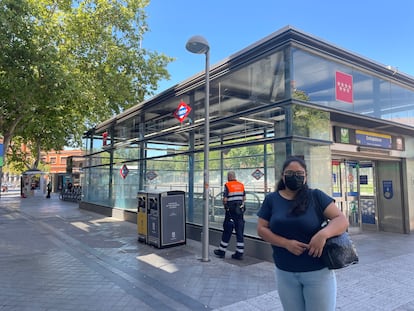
[387, 189]
[363, 179]
[368, 211]
[365, 138]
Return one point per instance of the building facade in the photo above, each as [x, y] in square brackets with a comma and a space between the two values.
[57, 162]
[350, 118]
[64, 167]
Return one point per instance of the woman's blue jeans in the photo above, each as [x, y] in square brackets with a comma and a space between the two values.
[307, 291]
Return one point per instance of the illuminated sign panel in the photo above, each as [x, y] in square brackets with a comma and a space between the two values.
[345, 135]
[365, 138]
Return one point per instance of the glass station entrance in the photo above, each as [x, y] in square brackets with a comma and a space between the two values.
[369, 192]
[354, 189]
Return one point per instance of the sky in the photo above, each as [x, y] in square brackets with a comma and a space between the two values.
[381, 31]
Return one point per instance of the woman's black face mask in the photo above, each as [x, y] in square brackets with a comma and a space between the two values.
[294, 182]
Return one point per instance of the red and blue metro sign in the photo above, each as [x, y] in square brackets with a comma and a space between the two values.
[182, 111]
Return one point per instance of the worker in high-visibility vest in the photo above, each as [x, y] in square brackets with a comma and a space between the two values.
[234, 196]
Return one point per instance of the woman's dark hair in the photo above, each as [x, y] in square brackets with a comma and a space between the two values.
[300, 202]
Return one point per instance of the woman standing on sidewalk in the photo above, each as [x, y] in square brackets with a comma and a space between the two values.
[289, 221]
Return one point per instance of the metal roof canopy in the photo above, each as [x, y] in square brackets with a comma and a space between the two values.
[266, 45]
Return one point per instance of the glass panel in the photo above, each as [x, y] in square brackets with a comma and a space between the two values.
[154, 150]
[368, 210]
[169, 173]
[160, 118]
[400, 106]
[367, 189]
[352, 178]
[280, 157]
[350, 187]
[242, 102]
[95, 189]
[248, 162]
[315, 78]
[126, 154]
[253, 86]
[309, 122]
[336, 179]
[126, 186]
[318, 161]
[352, 212]
[366, 180]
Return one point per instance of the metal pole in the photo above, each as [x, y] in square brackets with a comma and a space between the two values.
[199, 45]
[205, 243]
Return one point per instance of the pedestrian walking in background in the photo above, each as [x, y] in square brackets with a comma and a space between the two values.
[49, 189]
[289, 221]
[234, 196]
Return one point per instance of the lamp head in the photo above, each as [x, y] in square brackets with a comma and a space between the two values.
[197, 45]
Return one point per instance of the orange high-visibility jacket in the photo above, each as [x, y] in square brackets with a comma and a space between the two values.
[234, 191]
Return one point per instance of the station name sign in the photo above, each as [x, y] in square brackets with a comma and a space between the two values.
[345, 135]
[365, 138]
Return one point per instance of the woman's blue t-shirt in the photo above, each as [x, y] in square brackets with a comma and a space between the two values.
[275, 209]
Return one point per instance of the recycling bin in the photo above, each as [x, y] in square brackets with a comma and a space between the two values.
[166, 218]
[142, 217]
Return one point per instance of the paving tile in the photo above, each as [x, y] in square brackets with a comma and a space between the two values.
[55, 256]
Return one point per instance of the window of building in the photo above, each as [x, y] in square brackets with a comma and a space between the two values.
[52, 160]
[315, 80]
[63, 160]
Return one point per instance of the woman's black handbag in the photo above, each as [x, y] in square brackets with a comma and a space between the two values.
[339, 251]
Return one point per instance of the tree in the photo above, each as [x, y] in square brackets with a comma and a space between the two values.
[309, 122]
[68, 65]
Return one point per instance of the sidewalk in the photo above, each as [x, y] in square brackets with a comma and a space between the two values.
[54, 256]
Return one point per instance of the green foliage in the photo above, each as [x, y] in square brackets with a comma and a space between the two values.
[310, 122]
[299, 94]
[307, 121]
[68, 65]
[243, 157]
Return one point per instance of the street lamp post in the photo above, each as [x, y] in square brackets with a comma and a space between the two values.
[199, 45]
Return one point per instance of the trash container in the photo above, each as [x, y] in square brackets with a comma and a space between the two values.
[166, 218]
[142, 217]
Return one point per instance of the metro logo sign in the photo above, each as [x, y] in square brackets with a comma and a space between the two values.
[182, 111]
[257, 174]
[344, 87]
[124, 171]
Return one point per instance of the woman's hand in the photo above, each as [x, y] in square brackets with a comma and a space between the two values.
[295, 247]
[317, 244]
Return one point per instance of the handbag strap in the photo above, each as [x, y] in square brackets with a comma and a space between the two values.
[324, 220]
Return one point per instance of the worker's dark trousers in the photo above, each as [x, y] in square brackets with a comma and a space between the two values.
[232, 221]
